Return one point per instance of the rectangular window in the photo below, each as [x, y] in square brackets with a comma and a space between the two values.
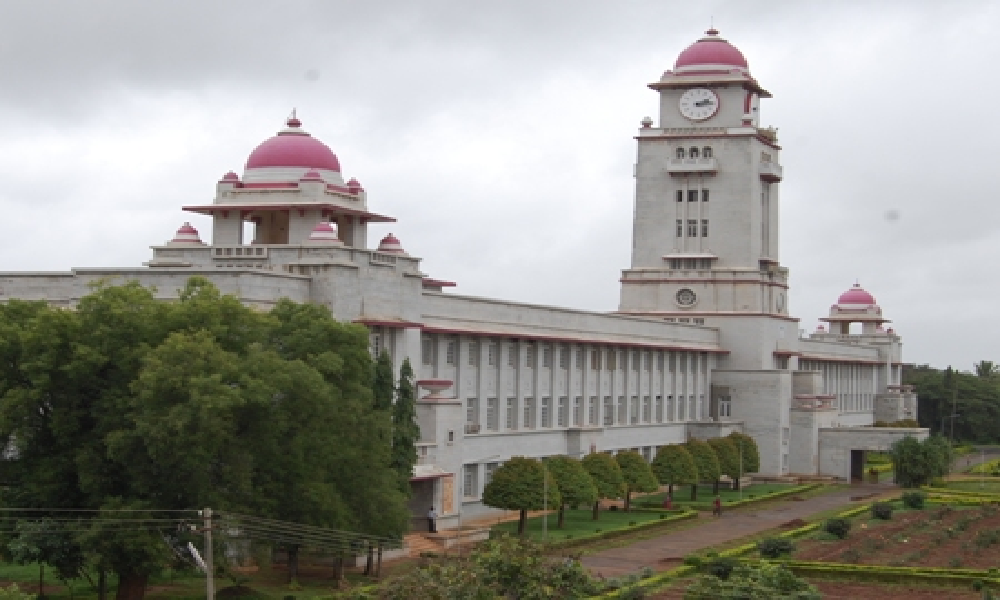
[680, 228]
[704, 228]
[635, 360]
[562, 417]
[659, 409]
[473, 354]
[647, 453]
[634, 410]
[592, 411]
[547, 356]
[529, 355]
[470, 487]
[670, 408]
[488, 472]
[511, 414]
[647, 359]
[578, 411]
[492, 414]
[375, 344]
[704, 195]
[529, 413]
[564, 357]
[612, 356]
[449, 355]
[647, 410]
[622, 411]
[427, 350]
[609, 411]
[692, 227]
[725, 407]
[595, 360]
[511, 355]
[579, 358]
[472, 415]
[672, 362]
[692, 195]
[659, 361]
[680, 195]
[492, 358]
[546, 412]
[681, 404]
[682, 363]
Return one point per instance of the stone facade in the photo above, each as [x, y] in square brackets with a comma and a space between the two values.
[702, 344]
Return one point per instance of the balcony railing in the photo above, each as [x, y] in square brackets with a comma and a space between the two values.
[682, 166]
[471, 428]
[770, 171]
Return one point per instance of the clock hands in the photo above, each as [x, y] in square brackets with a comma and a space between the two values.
[705, 102]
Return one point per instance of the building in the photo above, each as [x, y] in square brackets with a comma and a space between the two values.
[703, 342]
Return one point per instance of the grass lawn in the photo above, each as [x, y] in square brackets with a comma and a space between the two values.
[578, 523]
[682, 494]
[992, 485]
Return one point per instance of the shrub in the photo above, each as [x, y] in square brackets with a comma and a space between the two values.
[882, 510]
[914, 499]
[754, 581]
[987, 537]
[693, 560]
[837, 527]
[721, 567]
[775, 547]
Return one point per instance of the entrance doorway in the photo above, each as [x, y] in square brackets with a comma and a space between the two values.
[857, 466]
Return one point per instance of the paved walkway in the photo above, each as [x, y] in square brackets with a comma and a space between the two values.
[664, 551]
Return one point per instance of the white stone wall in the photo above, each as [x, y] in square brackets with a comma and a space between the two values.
[835, 445]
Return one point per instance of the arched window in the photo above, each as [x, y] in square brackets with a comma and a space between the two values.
[693, 153]
[706, 152]
[680, 153]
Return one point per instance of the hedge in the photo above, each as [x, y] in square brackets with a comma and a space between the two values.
[890, 574]
[706, 506]
[674, 517]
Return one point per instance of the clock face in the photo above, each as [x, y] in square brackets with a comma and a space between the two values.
[686, 297]
[699, 104]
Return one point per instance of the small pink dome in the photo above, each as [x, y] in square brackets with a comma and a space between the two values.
[187, 234]
[390, 244]
[711, 50]
[230, 176]
[354, 186]
[324, 233]
[312, 175]
[293, 147]
[856, 295]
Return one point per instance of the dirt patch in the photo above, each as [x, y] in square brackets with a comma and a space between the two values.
[793, 524]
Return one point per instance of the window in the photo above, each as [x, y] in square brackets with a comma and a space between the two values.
[670, 408]
[470, 485]
[646, 360]
[682, 362]
[647, 453]
[706, 152]
[647, 410]
[562, 416]
[511, 423]
[659, 361]
[564, 357]
[681, 412]
[680, 227]
[547, 356]
[725, 407]
[449, 355]
[704, 195]
[473, 354]
[692, 227]
[578, 411]
[659, 409]
[488, 472]
[704, 228]
[680, 153]
[592, 411]
[635, 360]
[612, 356]
[492, 414]
[472, 413]
[693, 153]
[427, 350]
[622, 411]
[595, 360]
[375, 343]
[512, 355]
[492, 354]
[692, 195]
[529, 355]
[634, 416]
[698, 321]
[529, 413]
[546, 412]
[579, 359]
[609, 411]
[680, 195]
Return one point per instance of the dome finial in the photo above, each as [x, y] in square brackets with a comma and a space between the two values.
[293, 121]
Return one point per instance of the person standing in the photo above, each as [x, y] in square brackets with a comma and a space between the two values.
[717, 506]
[432, 520]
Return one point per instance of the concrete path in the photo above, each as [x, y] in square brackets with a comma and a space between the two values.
[664, 551]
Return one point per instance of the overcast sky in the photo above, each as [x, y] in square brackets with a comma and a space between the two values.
[501, 136]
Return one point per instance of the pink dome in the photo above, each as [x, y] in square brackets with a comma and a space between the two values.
[390, 244]
[230, 176]
[711, 50]
[324, 233]
[293, 147]
[186, 234]
[354, 186]
[856, 295]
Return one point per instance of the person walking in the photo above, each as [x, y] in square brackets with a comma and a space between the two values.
[717, 506]
[432, 520]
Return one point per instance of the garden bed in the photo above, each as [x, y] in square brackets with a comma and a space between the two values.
[579, 526]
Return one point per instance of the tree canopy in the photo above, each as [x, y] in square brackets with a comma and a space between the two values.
[729, 459]
[129, 402]
[522, 484]
[673, 465]
[916, 463]
[405, 431]
[637, 475]
[705, 461]
[747, 447]
[574, 483]
[607, 476]
[974, 396]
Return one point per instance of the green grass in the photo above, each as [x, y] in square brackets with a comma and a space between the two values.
[990, 486]
[578, 523]
[682, 494]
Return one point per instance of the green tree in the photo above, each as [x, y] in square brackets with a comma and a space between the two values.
[637, 475]
[606, 475]
[916, 463]
[986, 368]
[705, 461]
[522, 484]
[760, 580]
[729, 460]
[747, 448]
[383, 388]
[575, 485]
[673, 465]
[940, 455]
[45, 542]
[405, 431]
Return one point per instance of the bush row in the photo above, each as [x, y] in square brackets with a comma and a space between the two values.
[670, 517]
[892, 574]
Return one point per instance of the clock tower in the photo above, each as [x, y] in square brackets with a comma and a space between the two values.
[705, 241]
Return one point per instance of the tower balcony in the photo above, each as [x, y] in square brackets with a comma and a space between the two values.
[692, 166]
[770, 172]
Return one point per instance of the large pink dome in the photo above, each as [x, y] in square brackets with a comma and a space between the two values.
[293, 147]
[710, 51]
[856, 295]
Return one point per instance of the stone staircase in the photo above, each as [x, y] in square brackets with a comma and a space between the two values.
[416, 543]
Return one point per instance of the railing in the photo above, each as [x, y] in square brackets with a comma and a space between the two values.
[472, 428]
[693, 165]
[770, 171]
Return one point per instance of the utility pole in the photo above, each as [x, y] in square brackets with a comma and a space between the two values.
[209, 566]
[954, 406]
[545, 504]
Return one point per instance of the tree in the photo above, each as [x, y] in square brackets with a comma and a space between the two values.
[729, 460]
[575, 485]
[405, 431]
[705, 461]
[986, 368]
[606, 475]
[759, 580]
[747, 448]
[637, 475]
[45, 542]
[383, 388]
[522, 484]
[917, 463]
[673, 465]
